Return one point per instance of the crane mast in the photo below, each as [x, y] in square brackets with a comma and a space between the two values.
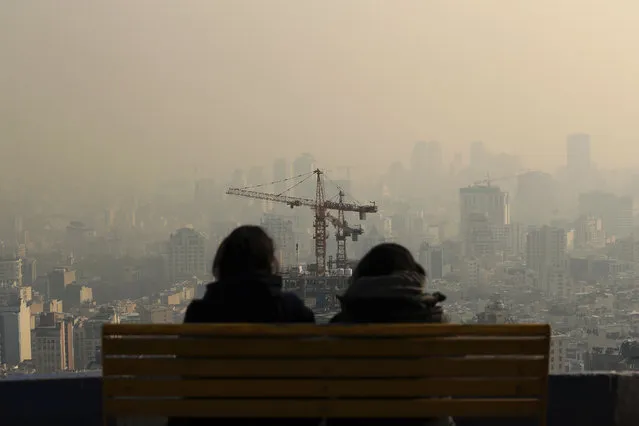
[321, 208]
[319, 225]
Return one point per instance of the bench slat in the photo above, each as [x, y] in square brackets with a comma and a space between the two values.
[275, 388]
[381, 408]
[411, 367]
[261, 348]
[377, 330]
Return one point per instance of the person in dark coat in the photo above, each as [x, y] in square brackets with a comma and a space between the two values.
[388, 286]
[247, 289]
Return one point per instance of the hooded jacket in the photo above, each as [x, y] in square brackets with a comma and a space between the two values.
[393, 298]
[386, 299]
[248, 299]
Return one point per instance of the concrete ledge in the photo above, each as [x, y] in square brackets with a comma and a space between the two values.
[600, 399]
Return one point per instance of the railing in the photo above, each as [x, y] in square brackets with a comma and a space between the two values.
[597, 399]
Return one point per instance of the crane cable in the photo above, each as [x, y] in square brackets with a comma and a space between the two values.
[307, 175]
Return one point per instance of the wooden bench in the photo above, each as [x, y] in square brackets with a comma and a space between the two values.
[373, 371]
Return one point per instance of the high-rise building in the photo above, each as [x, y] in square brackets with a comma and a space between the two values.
[489, 202]
[281, 231]
[186, 256]
[431, 257]
[616, 213]
[59, 279]
[546, 249]
[536, 202]
[29, 271]
[53, 344]
[516, 239]
[88, 337]
[15, 332]
[578, 153]
[11, 272]
[479, 239]
[589, 233]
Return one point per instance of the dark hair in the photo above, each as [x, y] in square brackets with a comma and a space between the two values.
[386, 259]
[246, 250]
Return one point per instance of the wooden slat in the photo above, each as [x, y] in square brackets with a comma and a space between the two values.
[377, 330]
[433, 367]
[295, 348]
[326, 408]
[323, 388]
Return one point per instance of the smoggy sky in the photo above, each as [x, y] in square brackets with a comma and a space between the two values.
[142, 84]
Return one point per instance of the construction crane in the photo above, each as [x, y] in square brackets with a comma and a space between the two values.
[342, 232]
[321, 208]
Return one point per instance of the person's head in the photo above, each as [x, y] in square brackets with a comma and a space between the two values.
[246, 250]
[387, 259]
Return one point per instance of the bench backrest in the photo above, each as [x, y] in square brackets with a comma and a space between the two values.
[408, 370]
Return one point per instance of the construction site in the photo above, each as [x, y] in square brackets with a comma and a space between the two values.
[328, 276]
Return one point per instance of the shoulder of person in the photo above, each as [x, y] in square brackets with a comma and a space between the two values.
[197, 311]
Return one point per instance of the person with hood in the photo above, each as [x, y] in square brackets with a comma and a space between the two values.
[247, 288]
[388, 286]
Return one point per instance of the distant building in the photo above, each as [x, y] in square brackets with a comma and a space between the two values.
[471, 272]
[15, 332]
[29, 271]
[186, 257]
[431, 257]
[558, 360]
[53, 344]
[59, 279]
[546, 249]
[479, 239]
[536, 201]
[516, 239]
[494, 313]
[490, 202]
[88, 337]
[615, 212]
[156, 314]
[589, 233]
[11, 272]
[77, 295]
[280, 229]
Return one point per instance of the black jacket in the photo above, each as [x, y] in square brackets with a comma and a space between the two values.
[390, 299]
[248, 299]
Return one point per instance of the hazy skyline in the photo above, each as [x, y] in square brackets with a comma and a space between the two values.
[89, 86]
